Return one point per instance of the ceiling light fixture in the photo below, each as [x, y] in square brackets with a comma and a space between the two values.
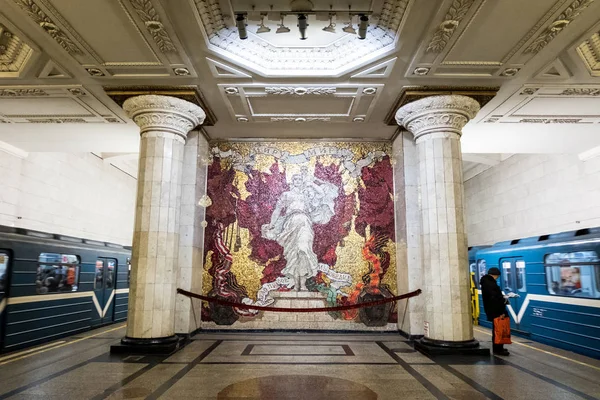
[240, 21]
[363, 24]
[302, 25]
[261, 27]
[331, 26]
[282, 28]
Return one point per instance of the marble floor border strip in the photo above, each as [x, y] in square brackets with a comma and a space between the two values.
[123, 382]
[549, 380]
[347, 350]
[173, 380]
[48, 378]
[439, 395]
[486, 392]
[333, 341]
[296, 363]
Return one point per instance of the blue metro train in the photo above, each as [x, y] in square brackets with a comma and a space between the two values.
[53, 286]
[557, 278]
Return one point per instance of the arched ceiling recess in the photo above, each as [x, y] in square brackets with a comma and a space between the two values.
[266, 57]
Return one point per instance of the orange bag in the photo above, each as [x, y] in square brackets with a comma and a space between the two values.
[502, 330]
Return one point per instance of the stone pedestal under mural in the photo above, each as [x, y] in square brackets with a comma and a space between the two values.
[436, 123]
[292, 224]
[164, 124]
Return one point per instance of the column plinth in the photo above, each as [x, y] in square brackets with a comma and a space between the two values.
[436, 123]
[164, 124]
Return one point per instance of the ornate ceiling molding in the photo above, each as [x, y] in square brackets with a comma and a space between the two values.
[558, 24]
[299, 91]
[14, 53]
[151, 19]
[22, 93]
[119, 94]
[47, 24]
[455, 14]
[589, 51]
[482, 95]
[581, 92]
[270, 59]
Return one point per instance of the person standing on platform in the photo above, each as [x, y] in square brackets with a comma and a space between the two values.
[494, 304]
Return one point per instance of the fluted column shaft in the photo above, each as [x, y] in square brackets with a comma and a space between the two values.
[164, 124]
[436, 123]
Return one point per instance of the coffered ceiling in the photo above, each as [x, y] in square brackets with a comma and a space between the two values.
[59, 58]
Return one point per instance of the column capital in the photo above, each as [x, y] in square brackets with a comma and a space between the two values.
[437, 114]
[164, 114]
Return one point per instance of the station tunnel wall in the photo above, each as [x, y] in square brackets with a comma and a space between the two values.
[71, 194]
[528, 195]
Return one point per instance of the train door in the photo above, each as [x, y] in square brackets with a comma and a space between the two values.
[4, 277]
[514, 281]
[104, 286]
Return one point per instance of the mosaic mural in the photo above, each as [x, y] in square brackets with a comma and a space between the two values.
[299, 216]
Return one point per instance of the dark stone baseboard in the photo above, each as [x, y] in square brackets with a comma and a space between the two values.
[431, 347]
[165, 345]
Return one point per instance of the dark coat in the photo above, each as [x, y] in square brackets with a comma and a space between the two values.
[493, 300]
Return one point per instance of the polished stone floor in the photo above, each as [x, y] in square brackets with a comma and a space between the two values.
[292, 366]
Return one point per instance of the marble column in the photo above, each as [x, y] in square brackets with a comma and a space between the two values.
[164, 124]
[436, 123]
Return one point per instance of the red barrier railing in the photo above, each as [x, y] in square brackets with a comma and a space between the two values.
[298, 310]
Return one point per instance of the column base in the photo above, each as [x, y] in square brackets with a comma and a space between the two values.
[164, 345]
[432, 347]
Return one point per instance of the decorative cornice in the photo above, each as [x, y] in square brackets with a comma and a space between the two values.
[57, 121]
[437, 114]
[191, 94]
[392, 13]
[296, 91]
[51, 28]
[13, 52]
[560, 22]
[550, 120]
[22, 93]
[164, 114]
[149, 16]
[589, 51]
[581, 92]
[455, 14]
[409, 94]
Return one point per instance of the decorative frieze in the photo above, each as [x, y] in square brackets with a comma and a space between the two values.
[149, 16]
[300, 91]
[455, 14]
[22, 92]
[558, 24]
[58, 121]
[51, 28]
[300, 119]
[581, 92]
[550, 120]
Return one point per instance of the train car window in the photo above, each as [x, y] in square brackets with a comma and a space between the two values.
[507, 276]
[57, 273]
[110, 273]
[99, 275]
[573, 274]
[3, 271]
[521, 284]
[482, 267]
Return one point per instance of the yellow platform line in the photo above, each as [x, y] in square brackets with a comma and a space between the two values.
[43, 349]
[31, 350]
[542, 351]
